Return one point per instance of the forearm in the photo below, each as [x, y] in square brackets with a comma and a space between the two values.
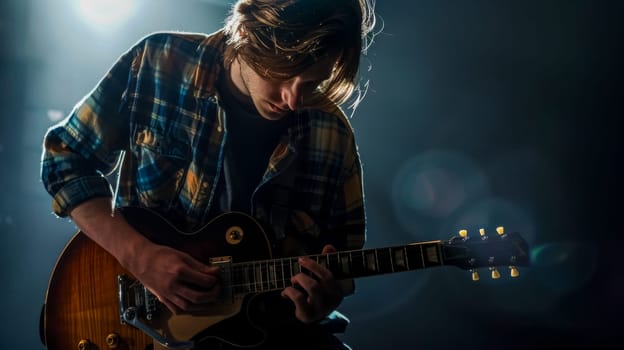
[96, 219]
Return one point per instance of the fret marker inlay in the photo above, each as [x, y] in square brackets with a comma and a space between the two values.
[432, 255]
[345, 263]
[399, 258]
[371, 261]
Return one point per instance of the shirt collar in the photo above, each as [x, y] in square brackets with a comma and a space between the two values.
[210, 53]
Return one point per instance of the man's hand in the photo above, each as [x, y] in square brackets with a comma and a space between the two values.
[179, 281]
[182, 283]
[321, 293]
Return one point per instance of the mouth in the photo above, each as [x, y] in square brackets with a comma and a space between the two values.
[275, 109]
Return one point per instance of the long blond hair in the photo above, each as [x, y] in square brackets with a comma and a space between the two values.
[280, 39]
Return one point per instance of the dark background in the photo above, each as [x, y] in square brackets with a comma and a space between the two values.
[478, 114]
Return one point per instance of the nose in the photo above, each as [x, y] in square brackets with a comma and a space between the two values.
[292, 94]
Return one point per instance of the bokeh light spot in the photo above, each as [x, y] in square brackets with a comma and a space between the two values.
[564, 267]
[434, 185]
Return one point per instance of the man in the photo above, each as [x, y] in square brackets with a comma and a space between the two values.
[244, 119]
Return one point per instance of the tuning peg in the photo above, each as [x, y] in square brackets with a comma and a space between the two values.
[514, 271]
[482, 232]
[495, 273]
[475, 275]
[500, 230]
[463, 233]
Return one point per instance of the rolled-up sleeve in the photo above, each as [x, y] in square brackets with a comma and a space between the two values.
[80, 150]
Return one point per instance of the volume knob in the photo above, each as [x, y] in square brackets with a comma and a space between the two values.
[84, 344]
[112, 340]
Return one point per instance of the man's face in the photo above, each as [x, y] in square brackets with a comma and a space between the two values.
[274, 99]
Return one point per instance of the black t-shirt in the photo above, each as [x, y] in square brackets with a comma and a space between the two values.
[250, 142]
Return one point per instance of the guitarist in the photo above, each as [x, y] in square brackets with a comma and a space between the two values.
[244, 119]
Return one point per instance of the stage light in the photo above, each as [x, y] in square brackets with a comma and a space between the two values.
[106, 14]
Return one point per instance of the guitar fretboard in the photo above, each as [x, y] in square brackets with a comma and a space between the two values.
[275, 274]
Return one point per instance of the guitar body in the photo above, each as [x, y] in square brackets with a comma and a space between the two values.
[78, 313]
[82, 308]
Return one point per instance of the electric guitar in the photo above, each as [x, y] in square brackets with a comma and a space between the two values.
[92, 302]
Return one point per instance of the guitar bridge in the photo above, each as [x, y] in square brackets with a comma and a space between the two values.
[137, 306]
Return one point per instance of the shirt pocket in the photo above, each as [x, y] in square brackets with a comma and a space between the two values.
[161, 165]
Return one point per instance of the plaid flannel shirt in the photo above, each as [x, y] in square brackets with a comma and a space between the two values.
[155, 116]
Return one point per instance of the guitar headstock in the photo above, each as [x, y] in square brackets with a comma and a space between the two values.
[487, 251]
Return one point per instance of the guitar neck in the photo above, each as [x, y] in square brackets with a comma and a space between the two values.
[252, 275]
[275, 274]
